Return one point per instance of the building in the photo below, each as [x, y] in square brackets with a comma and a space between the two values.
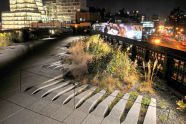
[85, 16]
[148, 29]
[22, 13]
[50, 9]
[156, 20]
[25, 12]
[176, 18]
[66, 9]
[135, 16]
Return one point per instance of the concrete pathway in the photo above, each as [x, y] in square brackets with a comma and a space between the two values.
[117, 111]
[98, 114]
[42, 96]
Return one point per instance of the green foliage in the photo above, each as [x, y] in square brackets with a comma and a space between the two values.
[133, 96]
[95, 45]
[161, 85]
[181, 104]
[118, 97]
[98, 64]
[145, 101]
[162, 118]
[163, 104]
[8, 38]
[107, 61]
[130, 102]
[111, 67]
[5, 39]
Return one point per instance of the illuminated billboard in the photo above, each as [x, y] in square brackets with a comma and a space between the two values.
[148, 24]
[132, 31]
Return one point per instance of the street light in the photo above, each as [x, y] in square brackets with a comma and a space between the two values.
[157, 41]
[181, 30]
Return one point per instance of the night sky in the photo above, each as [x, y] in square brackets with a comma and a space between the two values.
[148, 7]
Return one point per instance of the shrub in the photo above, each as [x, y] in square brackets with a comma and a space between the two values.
[5, 39]
[103, 65]
[79, 59]
[181, 104]
[163, 104]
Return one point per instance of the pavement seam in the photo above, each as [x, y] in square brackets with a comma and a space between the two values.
[30, 110]
[68, 116]
[12, 114]
[73, 110]
[85, 118]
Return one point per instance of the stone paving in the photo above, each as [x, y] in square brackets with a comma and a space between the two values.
[117, 111]
[50, 99]
[78, 109]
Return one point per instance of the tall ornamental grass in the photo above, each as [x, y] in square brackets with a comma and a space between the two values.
[98, 63]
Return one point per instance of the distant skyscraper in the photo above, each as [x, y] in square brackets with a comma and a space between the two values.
[156, 20]
[22, 13]
[66, 9]
[51, 9]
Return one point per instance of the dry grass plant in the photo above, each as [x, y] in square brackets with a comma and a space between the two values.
[150, 70]
[98, 63]
[79, 60]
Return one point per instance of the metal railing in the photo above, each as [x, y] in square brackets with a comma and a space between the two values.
[173, 62]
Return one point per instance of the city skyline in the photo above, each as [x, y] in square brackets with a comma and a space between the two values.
[92, 61]
[161, 7]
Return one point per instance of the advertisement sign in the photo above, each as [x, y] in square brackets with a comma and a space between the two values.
[148, 24]
[132, 31]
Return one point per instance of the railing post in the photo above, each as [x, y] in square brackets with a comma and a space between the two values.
[134, 52]
[184, 73]
[106, 38]
[146, 55]
[168, 68]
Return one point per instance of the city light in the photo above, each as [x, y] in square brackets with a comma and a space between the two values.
[160, 26]
[76, 26]
[93, 61]
[25, 12]
[157, 41]
[22, 14]
[181, 30]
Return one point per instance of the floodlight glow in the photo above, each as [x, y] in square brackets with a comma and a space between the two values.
[157, 41]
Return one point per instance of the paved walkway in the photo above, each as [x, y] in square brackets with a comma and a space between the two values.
[42, 96]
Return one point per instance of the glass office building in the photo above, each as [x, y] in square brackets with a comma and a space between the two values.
[22, 13]
[66, 9]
